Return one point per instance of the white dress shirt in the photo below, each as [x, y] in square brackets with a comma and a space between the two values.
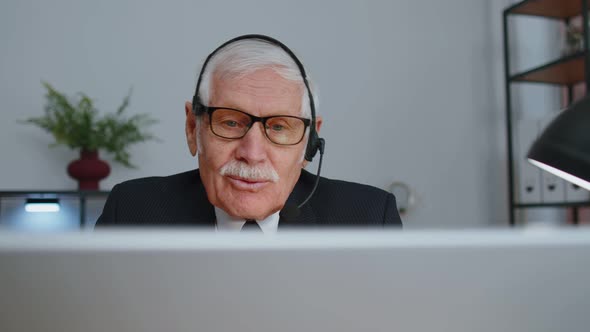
[226, 223]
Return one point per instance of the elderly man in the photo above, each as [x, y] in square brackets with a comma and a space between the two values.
[252, 124]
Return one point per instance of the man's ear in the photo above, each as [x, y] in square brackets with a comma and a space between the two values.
[191, 128]
[318, 124]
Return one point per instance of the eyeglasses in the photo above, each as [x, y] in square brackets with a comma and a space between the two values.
[234, 124]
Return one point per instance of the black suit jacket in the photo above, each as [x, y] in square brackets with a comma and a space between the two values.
[181, 200]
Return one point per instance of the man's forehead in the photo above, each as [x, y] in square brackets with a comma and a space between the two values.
[261, 78]
[262, 86]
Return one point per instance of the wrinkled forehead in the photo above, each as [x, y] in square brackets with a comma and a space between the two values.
[263, 89]
[265, 81]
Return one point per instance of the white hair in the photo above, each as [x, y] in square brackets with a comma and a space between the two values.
[247, 56]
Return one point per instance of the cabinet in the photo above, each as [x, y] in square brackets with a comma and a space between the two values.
[566, 71]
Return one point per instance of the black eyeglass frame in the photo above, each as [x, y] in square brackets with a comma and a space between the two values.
[211, 109]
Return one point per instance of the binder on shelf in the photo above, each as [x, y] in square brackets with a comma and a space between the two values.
[529, 176]
[553, 188]
[574, 193]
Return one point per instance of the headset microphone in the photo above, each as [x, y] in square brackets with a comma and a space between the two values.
[292, 211]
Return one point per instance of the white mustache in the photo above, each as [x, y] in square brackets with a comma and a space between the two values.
[242, 170]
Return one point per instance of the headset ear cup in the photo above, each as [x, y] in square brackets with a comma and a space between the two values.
[312, 146]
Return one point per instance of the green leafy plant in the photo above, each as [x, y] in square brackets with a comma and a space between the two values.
[75, 122]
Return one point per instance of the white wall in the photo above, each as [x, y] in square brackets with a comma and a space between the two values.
[408, 88]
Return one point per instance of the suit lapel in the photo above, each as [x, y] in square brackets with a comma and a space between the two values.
[201, 213]
[306, 218]
[206, 220]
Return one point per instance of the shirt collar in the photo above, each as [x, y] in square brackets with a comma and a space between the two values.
[227, 223]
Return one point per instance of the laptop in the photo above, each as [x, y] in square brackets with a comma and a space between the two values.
[186, 280]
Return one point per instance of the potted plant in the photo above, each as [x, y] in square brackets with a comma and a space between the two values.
[75, 122]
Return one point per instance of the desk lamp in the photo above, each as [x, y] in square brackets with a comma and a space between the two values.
[563, 148]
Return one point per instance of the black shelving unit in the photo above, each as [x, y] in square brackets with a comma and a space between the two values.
[566, 71]
[82, 196]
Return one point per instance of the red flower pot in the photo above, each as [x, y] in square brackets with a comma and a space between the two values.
[88, 170]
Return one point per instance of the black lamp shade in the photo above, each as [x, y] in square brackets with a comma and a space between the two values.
[564, 146]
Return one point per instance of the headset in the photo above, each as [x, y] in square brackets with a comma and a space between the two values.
[314, 143]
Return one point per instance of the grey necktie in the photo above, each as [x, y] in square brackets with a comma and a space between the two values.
[251, 226]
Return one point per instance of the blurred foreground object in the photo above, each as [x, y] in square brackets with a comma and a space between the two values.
[460, 281]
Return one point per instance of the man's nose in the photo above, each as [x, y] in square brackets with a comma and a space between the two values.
[252, 148]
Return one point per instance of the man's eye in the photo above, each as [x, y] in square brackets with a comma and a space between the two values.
[277, 127]
[230, 123]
